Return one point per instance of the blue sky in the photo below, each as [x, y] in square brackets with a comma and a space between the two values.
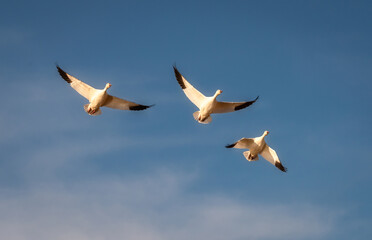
[158, 174]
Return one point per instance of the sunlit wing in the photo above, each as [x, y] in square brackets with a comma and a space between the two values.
[225, 107]
[192, 93]
[242, 143]
[118, 103]
[270, 155]
[81, 87]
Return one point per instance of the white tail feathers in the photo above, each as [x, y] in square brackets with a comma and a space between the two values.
[249, 157]
[196, 115]
[86, 107]
[206, 121]
[98, 112]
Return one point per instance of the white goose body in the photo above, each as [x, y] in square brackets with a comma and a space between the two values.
[258, 146]
[206, 108]
[98, 97]
[207, 105]
[97, 100]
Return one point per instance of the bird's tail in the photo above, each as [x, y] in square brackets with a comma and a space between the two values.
[86, 108]
[206, 121]
[249, 156]
[196, 115]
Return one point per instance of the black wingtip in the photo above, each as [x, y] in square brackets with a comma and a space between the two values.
[230, 145]
[179, 77]
[246, 104]
[280, 166]
[175, 68]
[63, 74]
[140, 107]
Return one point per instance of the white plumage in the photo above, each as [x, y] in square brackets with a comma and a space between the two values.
[258, 146]
[207, 105]
[98, 97]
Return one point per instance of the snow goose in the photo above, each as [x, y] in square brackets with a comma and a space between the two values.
[98, 98]
[207, 105]
[258, 146]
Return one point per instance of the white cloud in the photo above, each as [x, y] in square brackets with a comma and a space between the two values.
[151, 207]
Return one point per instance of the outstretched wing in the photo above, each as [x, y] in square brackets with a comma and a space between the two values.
[225, 107]
[192, 93]
[242, 143]
[121, 104]
[81, 87]
[270, 155]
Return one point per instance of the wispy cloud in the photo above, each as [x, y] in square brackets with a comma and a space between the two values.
[156, 206]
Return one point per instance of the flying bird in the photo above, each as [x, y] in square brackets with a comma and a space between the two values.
[258, 146]
[207, 105]
[98, 97]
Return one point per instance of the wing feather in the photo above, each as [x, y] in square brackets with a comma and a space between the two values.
[270, 155]
[121, 104]
[242, 143]
[225, 107]
[192, 93]
[81, 87]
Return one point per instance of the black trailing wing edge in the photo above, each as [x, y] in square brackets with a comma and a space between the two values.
[230, 145]
[139, 107]
[179, 78]
[246, 104]
[280, 166]
[63, 74]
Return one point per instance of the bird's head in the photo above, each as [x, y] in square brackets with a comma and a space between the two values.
[266, 133]
[218, 92]
[108, 85]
